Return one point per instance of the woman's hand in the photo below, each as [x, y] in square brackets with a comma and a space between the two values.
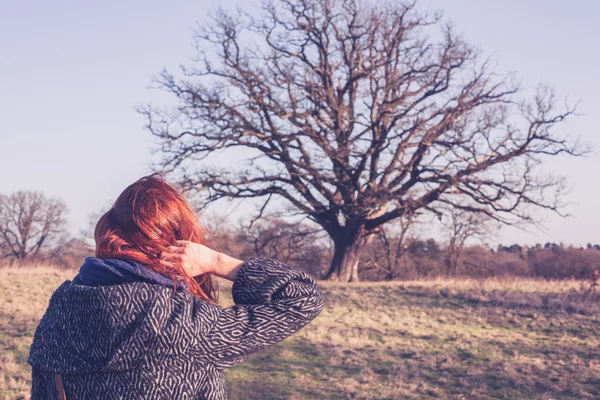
[197, 259]
[194, 258]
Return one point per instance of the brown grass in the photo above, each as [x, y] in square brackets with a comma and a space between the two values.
[449, 339]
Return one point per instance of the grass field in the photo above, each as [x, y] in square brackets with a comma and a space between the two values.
[457, 339]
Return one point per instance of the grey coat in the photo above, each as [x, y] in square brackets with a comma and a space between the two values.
[140, 340]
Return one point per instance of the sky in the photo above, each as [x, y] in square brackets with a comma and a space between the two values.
[71, 73]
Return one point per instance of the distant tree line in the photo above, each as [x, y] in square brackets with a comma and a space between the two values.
[395, 254]
[34, 230]
[426, 258]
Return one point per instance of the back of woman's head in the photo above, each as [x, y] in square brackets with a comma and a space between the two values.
[146, 218]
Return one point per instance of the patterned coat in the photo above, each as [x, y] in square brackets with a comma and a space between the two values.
[139, 340]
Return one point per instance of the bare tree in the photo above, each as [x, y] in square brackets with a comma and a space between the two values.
[293, 243]
[462, 227]
[383, 257]
[30, 222]
[281, 240]
[87, 233]
[356, 114]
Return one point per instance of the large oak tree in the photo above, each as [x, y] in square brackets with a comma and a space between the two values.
[356, 115]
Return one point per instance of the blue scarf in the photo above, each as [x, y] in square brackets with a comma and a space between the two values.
[112, 271]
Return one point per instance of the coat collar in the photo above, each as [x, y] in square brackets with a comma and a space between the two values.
[112, 271]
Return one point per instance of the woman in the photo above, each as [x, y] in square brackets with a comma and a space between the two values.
[140, 320]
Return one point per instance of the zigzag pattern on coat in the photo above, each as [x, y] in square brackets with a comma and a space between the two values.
[140, 340]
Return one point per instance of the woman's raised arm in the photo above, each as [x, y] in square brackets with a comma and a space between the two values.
[272, 301]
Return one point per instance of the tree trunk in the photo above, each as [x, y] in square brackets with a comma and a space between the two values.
[346, 253]
[344, 264]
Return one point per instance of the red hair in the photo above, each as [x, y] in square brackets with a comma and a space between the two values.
[146, 218]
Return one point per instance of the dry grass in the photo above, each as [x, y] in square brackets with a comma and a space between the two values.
[449, 339]
[515, 284]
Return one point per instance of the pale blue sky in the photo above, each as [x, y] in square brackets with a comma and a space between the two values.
[71, 72]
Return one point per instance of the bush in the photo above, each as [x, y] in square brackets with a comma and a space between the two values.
[562, 263]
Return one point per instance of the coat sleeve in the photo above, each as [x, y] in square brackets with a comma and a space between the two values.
[272, 301]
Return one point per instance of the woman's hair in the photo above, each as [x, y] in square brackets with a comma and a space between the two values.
[146, 218]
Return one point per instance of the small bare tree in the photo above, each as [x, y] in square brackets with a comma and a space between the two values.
[281, 239]
[293, 243]
[356, 114]
[462, 227]
[87, 233]
[29, 223]
[382, 258]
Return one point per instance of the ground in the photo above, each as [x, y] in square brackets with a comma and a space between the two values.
[448, 339]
